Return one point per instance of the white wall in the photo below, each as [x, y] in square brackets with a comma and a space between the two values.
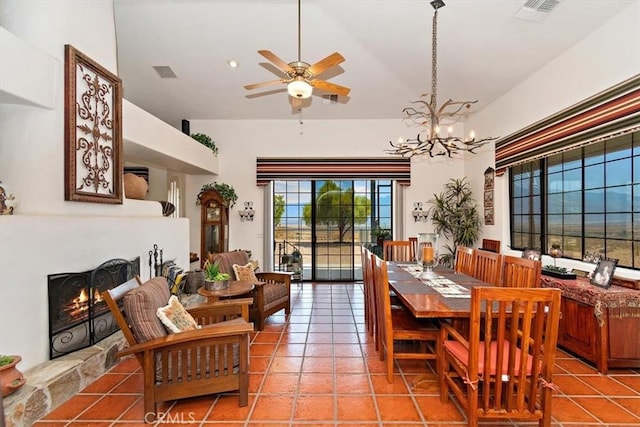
[608, 56]
[241, 142]
[48, 235]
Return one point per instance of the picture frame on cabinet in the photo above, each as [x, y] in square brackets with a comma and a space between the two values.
[93, 131]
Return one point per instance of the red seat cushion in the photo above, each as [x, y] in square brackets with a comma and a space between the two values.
[460, 352]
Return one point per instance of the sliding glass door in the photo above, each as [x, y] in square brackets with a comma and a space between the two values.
[325, 222]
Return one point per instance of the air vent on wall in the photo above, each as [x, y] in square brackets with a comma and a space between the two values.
[536, 10]
[164, 71]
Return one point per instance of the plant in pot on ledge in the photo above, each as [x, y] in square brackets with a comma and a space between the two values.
[206, 140]
[226, 191]
[214, 280]
[11, 379]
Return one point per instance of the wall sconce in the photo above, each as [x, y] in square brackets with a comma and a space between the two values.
[248, 212]
[418, 214]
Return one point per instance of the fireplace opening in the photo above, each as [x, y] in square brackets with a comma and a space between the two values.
[78, 317]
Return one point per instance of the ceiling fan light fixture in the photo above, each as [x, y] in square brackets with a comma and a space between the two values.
[299, 88]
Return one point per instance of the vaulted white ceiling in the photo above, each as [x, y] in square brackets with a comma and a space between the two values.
[484, 51]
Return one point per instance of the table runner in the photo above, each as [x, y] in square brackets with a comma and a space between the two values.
[443, 285]
[620, 302]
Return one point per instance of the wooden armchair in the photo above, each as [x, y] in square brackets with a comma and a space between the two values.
[503, 373]
[212, 359]
[271, 294]
[520, 272]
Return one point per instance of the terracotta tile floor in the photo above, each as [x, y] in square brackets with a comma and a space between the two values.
[320, 368]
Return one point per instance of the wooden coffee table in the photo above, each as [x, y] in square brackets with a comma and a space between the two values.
[236, 287]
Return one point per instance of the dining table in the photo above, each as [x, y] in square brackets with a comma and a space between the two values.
[447, 295]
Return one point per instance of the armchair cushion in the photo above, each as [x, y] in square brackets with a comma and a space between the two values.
[140, 306]
[245, 272]
[227, 259]
[274, 294]
[462, 354]
[175, 318]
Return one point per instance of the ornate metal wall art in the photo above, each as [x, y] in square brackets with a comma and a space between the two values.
[93, 131]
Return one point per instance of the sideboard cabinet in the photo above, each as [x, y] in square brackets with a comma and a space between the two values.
[600, 325]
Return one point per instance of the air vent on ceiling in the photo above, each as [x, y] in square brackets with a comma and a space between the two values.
[330, 99]
[536, 10]
[165, 71]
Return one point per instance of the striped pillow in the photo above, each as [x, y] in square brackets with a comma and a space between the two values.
[140, 306]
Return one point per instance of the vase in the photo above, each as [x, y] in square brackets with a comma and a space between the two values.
[216, 285]
[427, 254]
[135, 187]
[11, 379]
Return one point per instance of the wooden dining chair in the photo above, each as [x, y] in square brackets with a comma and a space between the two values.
[464, 260]
[397, 250]
[491, 245]
[505, 372]
[399, 330]
[520, 272]
[369, 301]
[487, 266]
[414, 246]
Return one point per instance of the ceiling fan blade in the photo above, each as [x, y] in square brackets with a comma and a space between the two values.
[276, 61]
[324, 64]
[330, 87]
[263, 84]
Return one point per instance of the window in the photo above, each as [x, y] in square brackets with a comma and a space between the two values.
[586, 199]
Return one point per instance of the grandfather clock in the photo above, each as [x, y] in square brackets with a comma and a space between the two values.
[214, 226]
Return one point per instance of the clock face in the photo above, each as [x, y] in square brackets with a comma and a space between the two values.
[213, 212]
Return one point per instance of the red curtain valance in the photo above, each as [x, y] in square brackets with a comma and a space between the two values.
[269, 169]
[611, 113]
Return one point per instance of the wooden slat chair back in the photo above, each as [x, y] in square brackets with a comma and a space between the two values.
[367, 282]
[503, 372]
[414, 246]
[397, 250]
[464, 260]
[399, 329]
[487, 266]
[491, 245]
[520, 272]
[212, 359]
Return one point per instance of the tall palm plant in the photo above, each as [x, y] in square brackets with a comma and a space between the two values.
[454, 213]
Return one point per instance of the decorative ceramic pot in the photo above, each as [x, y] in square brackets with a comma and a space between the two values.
[216, 285]
[11, 379]
[135, 187]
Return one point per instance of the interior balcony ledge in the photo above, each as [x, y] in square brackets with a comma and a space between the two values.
[149, 140]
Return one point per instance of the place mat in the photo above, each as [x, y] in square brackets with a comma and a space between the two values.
[444, 286]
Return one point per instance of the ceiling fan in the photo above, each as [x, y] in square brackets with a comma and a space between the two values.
[301, 77]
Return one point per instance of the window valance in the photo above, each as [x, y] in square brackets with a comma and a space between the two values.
[269, 169]
[608, 114]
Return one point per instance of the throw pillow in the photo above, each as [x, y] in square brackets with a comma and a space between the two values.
[175, 318]
[245, 273]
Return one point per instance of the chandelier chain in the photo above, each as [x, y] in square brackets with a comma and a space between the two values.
[434, 61]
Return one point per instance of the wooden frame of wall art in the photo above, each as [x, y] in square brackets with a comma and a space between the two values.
[93, 131]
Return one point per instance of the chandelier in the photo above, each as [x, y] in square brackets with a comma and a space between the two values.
[433, 141]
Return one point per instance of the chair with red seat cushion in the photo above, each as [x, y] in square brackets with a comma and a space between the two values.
[521, 326]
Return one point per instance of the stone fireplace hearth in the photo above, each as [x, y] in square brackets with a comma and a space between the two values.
[52, 383]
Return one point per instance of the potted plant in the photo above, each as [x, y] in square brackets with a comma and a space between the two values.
[214, 280]
[455, 215]
[381, 234]
[206, 140]
[11, 379]
[226, 191]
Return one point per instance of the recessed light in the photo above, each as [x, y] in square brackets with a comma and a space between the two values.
[232, 63]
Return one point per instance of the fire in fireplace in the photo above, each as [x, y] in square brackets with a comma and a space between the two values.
[78, 317]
